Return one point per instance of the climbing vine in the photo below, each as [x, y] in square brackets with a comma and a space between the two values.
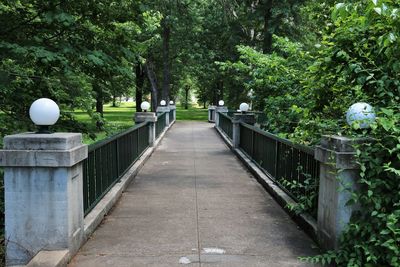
[357, 61]
[373, 236]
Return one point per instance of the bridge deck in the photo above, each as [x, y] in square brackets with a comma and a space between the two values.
[194, 201]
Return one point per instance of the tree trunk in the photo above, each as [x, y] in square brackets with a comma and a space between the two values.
[215, 96]
[140, 75]
[267, 41]
[187, 97]
[114, 101]
[153, 81]
[166, 33]
[99, 103]
[99, 108]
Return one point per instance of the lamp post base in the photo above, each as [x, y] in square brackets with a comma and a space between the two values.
[44, 129]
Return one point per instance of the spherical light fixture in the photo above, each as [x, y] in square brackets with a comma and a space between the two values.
[361, 113]
[163, 103]
[44, 112]
[244, 107]
[171, 102]
[145, 106]
[221, 103]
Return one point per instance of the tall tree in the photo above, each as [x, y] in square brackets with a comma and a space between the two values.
[140, 78]
[71, 51]
[166, 35]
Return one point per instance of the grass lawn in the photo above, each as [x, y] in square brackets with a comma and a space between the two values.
[117, 119]
[191, 114]
[121, 118]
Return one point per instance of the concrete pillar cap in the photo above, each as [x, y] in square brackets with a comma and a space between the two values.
[162, 109]
[43, 150]
[145, 117]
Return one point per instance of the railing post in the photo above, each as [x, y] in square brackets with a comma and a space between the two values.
[164, 109]
[235, 132]
[219, 109]
[248, 118]
[152, 132]
[339, 173]
[151, 118]
[253, 133]
[173, 109]
[276, 159]
[43, 193]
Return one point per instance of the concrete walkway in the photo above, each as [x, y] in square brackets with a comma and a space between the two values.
[193, 201]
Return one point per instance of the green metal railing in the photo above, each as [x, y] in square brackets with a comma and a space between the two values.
[160, 124]
[108, 160]
[2, 218]
[286, 162]
[225, 123]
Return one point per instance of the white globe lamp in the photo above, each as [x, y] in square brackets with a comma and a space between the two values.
[221, 103]
[362, 113]
[44, 112]
[171, 102]
[145, 106]
[163, 103]
[244, 107]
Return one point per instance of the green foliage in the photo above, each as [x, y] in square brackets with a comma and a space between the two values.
[357, 61]
[372, 238]
[318, 58]
[115, 120]
[306, 90]
[72, 52]
[306, 202]
[272, 82]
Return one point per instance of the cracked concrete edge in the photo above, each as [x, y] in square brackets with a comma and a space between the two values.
[61, 258]
[55, 258]
[304, 220]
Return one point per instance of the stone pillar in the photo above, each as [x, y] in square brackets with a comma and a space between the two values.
[162, 109]
[219, 109]
[339, 173]
[211, 113]
[237, 119]
[173, 108]
[152, 119]
[43, 193]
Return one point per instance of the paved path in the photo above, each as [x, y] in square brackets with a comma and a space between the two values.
[192, 201]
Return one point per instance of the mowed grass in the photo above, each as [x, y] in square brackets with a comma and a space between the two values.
[117, 119]
[115, 116]
[120, 118]
[191, 114]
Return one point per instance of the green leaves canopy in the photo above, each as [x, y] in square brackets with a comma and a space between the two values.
[68, 51]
